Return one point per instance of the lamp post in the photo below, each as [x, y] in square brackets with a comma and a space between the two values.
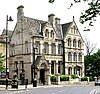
[7, 19]
[33, 67]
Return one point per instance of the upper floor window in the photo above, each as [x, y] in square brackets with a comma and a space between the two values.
[52, 34]
[37, 49]
[74, 29]
[60, 49]
[69, 56]
[53, 48]
[74, 43]
[80, 57]
[12, 47]
[69, 42]
[46, 48]
[74, 57]
[79, 43]
[46, 33]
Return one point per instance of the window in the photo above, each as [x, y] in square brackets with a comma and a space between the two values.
[79, 43]
[69, 42]
[74, 43]
[53, 48]
[46, 48]
[52, 34]
[74, 29]
[74, 57]
[52, 67]
[12, 47]
[46, 33]
[69, 56]
[80, 57]
[59, 66]
[26, 47]
[60, 49]
[22, 66]
[37, 49]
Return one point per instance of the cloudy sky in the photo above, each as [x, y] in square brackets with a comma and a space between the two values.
[40, 9]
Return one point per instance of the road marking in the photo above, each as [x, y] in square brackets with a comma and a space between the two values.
[93, 91]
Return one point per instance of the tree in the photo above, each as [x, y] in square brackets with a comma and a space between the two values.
[93, 66]
[2, 59]
[89, 14]
[90, 47]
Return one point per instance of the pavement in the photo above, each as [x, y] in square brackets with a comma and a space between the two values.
[30, 86]
[23, 87]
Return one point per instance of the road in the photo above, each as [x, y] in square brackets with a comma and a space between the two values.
[58, 90]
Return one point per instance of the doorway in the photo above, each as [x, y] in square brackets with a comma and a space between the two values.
[42, 76]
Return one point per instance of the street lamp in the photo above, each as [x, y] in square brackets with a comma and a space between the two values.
[7, 19]
[33, 66]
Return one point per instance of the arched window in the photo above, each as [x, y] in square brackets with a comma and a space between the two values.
[69, 42]
[80, 57]
[74, 56]
[74, 43]
[52, 34]
[79, 43]
[46, 33]
[69, 56]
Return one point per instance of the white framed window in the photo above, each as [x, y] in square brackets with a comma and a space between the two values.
[69, 56]
[74, 43]
[46, 48]
[37, 49]
[79, 43]
[69, 42]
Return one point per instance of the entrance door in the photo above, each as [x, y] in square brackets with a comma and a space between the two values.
[42, 76]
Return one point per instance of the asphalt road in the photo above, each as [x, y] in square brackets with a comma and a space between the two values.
[58, 90]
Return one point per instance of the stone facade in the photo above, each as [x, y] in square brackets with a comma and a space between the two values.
[50, 55]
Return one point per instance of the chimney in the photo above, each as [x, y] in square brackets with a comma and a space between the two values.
[51, 18]
[20, 12]
[57, 20]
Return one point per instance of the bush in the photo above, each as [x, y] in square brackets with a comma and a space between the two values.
[73, 76]
[64, 78]
[84, 78]
[53, 78]
[91, 78]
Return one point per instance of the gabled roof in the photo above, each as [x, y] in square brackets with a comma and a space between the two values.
[65, 28]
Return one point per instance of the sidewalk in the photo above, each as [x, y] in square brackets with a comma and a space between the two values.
[23, 87]
[30, 86]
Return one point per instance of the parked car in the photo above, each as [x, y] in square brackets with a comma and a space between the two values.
[97, 82]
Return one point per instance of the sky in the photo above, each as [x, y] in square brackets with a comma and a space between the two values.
[40, 9]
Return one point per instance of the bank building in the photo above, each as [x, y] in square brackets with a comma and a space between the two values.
[40, 49]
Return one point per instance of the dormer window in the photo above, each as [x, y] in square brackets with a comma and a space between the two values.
[52, 34]
[46, 33]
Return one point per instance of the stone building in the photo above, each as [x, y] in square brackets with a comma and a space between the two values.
[49, 46]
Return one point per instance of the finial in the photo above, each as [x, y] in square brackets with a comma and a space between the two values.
[73, 18]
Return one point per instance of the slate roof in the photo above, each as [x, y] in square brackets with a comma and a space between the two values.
[65, 28]
[33, 25]
[36, 27]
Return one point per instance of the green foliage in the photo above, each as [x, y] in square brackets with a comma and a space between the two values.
[64, 78]
[89, 14]
[73, 76]
[84, 78]
[92, 64]
[2, 59]
[53, 78]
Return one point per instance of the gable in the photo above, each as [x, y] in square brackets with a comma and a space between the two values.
[71, 30]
